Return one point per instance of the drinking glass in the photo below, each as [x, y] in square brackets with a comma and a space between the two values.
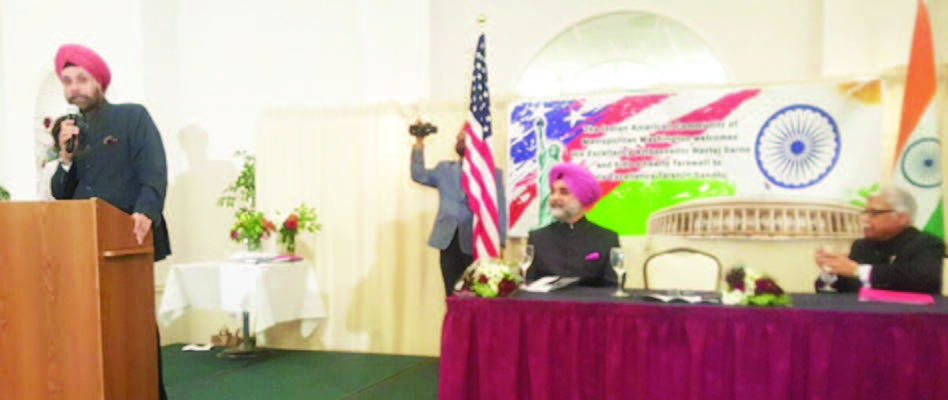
[526, 261]
[827, 277]
[617, 261]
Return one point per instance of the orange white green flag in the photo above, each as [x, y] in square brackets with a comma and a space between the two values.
[918, 148]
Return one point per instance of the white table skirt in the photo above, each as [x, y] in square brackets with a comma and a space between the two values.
[271, 293]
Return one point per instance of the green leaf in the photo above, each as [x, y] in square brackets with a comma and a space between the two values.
[761, 299]
[243, 190]
[783, 300]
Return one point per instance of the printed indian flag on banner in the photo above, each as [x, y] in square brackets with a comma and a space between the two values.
[918, 166]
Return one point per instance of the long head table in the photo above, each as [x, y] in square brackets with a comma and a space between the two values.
[580, 343]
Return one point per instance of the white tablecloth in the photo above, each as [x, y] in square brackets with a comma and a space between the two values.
[271, 293]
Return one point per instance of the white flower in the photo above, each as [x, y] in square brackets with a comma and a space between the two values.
[734, 297]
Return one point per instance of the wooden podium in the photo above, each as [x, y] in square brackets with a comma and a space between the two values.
[77, 303]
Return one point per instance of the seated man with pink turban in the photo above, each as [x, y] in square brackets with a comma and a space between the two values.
[572, 246]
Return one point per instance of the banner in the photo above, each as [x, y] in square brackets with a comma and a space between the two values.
[654, 150]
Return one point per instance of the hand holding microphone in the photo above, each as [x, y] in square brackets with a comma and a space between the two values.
[69, 134]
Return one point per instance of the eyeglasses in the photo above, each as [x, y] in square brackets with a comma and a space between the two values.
[873, 213]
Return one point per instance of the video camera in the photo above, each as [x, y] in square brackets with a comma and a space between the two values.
[422, 129]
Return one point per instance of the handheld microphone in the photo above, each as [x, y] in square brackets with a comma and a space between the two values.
[72, 113]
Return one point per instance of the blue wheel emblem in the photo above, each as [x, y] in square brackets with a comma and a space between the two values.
[797, 146]
[921, 163]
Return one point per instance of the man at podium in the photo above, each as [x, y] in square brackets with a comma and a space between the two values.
[111, 151]
[116, 152]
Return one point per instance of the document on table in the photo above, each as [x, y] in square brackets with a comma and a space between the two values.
[550, 283]
[664, 298]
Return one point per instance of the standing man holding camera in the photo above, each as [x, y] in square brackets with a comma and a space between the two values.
[452, 233]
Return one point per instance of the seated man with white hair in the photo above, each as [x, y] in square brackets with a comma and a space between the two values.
[893, 255]
[572, 246]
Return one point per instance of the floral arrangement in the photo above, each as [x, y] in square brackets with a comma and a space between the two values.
[489, 278]
[746, 287]
[250, 226]
[303, 219]
[4, 194]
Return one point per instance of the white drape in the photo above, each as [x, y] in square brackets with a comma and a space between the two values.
[382, 283]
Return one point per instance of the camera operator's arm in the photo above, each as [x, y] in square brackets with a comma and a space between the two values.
[418, 172]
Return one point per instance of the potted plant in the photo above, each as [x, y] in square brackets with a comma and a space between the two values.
[302, 219]
[250, 226]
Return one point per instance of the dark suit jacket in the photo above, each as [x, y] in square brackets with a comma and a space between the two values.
[454, 215]
[574, 250]
[910, 262]
[120, 159]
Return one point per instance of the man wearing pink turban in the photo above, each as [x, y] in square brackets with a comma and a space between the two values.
[117, 154]
[572, 246]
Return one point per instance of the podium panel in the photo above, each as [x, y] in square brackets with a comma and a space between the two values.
[76, 303]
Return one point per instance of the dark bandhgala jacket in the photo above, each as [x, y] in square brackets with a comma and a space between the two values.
[574, 250]
[909, 262]
[120, 158]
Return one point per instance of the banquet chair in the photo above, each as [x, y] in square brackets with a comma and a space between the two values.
[682, 268]
[944, 278]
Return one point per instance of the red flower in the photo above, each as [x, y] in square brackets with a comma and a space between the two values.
[482, 279]
[506, 287]
[292, 222]
[767, 285]
[234, 234]
[735, 279]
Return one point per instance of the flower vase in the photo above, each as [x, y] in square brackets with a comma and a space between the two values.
[253, 244]
[289, 245]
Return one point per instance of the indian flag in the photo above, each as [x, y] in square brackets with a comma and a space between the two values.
[918, 165]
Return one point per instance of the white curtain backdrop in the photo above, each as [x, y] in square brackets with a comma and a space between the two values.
[382, 283]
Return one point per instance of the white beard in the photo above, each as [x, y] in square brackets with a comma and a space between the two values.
[567, 211]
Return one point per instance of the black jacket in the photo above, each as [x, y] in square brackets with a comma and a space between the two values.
[120, 159]
[574, 250]
[910, 262]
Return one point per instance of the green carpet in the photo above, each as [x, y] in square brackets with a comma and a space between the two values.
[291, 374]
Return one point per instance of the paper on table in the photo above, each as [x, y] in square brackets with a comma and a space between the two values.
[892, 296]
[254, 257]
[673, 299]
[197, 347]
[550, 283]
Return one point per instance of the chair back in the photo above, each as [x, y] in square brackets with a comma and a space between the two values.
[682, 268]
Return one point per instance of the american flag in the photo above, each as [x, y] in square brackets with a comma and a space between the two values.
[478, 178]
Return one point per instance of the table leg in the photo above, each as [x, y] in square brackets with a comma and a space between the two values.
[247, 348]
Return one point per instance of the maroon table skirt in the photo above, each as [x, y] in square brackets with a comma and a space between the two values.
[581, 344]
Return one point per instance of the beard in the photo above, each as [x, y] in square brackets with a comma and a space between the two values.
[86, 103]
[567, 211]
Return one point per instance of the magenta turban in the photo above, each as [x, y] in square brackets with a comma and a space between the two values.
[84, 57]
[581, 183]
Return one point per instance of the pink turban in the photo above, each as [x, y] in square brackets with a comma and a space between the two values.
[581, 183]
[84, 57]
